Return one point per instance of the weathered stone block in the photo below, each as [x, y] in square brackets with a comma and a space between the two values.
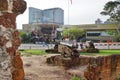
[17, 62]
[15, 34]
[3, 41]
[108, 68]
[105, 67]
[16, 43]
[11, 66]
[3, 5]
[8, 20]
[11, 51]
[75, 61]
[64, 62]
[19, 6]
[98, 68]
[18, 74]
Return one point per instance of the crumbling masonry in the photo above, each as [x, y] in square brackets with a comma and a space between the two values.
[11, 65]
[95, 68]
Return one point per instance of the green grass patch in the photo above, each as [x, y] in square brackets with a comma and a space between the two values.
[110, 51]
[103, 52]
[33, 52]
[75, 78]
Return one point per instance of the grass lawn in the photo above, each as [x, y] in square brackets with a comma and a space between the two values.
[33, 52]
[102, 52]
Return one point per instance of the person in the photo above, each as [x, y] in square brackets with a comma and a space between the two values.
[76, 46]
[91, 44]
[56, 45]
[74, 43]
[81, 45]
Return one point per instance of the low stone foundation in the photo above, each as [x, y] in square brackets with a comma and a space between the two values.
[63, 62]
[98, 68]
[103, 68]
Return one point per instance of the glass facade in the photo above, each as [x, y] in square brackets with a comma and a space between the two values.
[93, 33]
[48, 16]
[35, 15]
[97, 33]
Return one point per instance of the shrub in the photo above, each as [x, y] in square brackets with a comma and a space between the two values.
[75, 78]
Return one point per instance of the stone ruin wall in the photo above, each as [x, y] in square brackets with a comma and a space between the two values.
[102, 68]
[97, 68]
[11, 65]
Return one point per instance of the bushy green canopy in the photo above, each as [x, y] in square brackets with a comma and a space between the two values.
[73, 32]
[112, 9]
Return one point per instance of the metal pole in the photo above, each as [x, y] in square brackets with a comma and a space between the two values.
[53, 21]
[68, 12]
[52, 32]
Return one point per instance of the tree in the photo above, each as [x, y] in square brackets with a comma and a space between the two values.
[74, 33]
[112, 8]
[117, 38]
[111, 32]
[25, 37]
[21, 33]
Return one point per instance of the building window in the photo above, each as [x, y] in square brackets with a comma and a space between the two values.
[93, 34]
[46, 30]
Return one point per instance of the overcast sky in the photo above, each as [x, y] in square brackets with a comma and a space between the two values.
[80, 11]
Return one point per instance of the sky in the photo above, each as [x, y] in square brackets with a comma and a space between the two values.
[80, 11]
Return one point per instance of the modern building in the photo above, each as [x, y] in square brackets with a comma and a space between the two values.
[98, 32]
[35, 15]
[41, 28]
[46, 16]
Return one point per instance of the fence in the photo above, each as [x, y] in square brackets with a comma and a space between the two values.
[113, 45]
[49, 46]
[35, 46]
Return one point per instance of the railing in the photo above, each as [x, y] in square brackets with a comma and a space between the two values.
[35, 46]
[114, 45]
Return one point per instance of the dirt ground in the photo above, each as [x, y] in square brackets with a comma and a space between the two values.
[36, 68]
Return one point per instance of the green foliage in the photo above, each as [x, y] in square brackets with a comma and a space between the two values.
[102, 52]
[25, 37]
[75, 78]
[111, 8]
[90, 50]
[117, 38]
[111, 32]
[110, 51]
[22, 33]
[34, 52]
[74, 32]
[59, 35]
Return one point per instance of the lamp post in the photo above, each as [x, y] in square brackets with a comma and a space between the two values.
[68, 12]
[53, 26]
[53, 23]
